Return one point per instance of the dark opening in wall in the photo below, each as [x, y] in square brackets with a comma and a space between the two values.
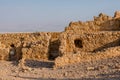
[12, 45]
[12, 52]
[15, 53]
[78, 43]
[54, 49]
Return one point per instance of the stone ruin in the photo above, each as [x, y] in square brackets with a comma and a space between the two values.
[39, 45]
[80, 39]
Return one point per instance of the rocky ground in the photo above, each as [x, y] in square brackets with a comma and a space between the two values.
[105, 69]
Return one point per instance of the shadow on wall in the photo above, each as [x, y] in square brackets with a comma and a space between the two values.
[108, 45]
[54, 49]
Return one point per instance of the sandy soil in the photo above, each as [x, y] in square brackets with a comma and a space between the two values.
[106, 69]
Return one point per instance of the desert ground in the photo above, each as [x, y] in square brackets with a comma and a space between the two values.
[105, 69]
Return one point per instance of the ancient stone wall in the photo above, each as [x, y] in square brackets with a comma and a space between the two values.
[27, 45]
[101, 23]
[91, 36]
[94, 35]
[79, 57]
[88, 42]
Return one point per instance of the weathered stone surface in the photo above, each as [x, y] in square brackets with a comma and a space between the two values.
[81, 41]
[88, 42]
[101, 23]
[27, 45]
[86, 56]
[88, 38]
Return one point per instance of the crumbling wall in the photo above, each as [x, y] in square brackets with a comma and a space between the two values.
[38, 47]
[80, 57]
[27, 45]
[88, 42]
[91, 36]
[101, 23]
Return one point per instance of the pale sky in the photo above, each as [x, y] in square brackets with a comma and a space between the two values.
[50, 15]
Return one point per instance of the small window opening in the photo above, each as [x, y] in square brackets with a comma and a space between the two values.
[78, 43]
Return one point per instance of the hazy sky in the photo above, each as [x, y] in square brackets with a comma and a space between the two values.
[50, 15]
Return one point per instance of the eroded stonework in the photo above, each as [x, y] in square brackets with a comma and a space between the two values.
[102, 35]
[27, 45]
[91, 37]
